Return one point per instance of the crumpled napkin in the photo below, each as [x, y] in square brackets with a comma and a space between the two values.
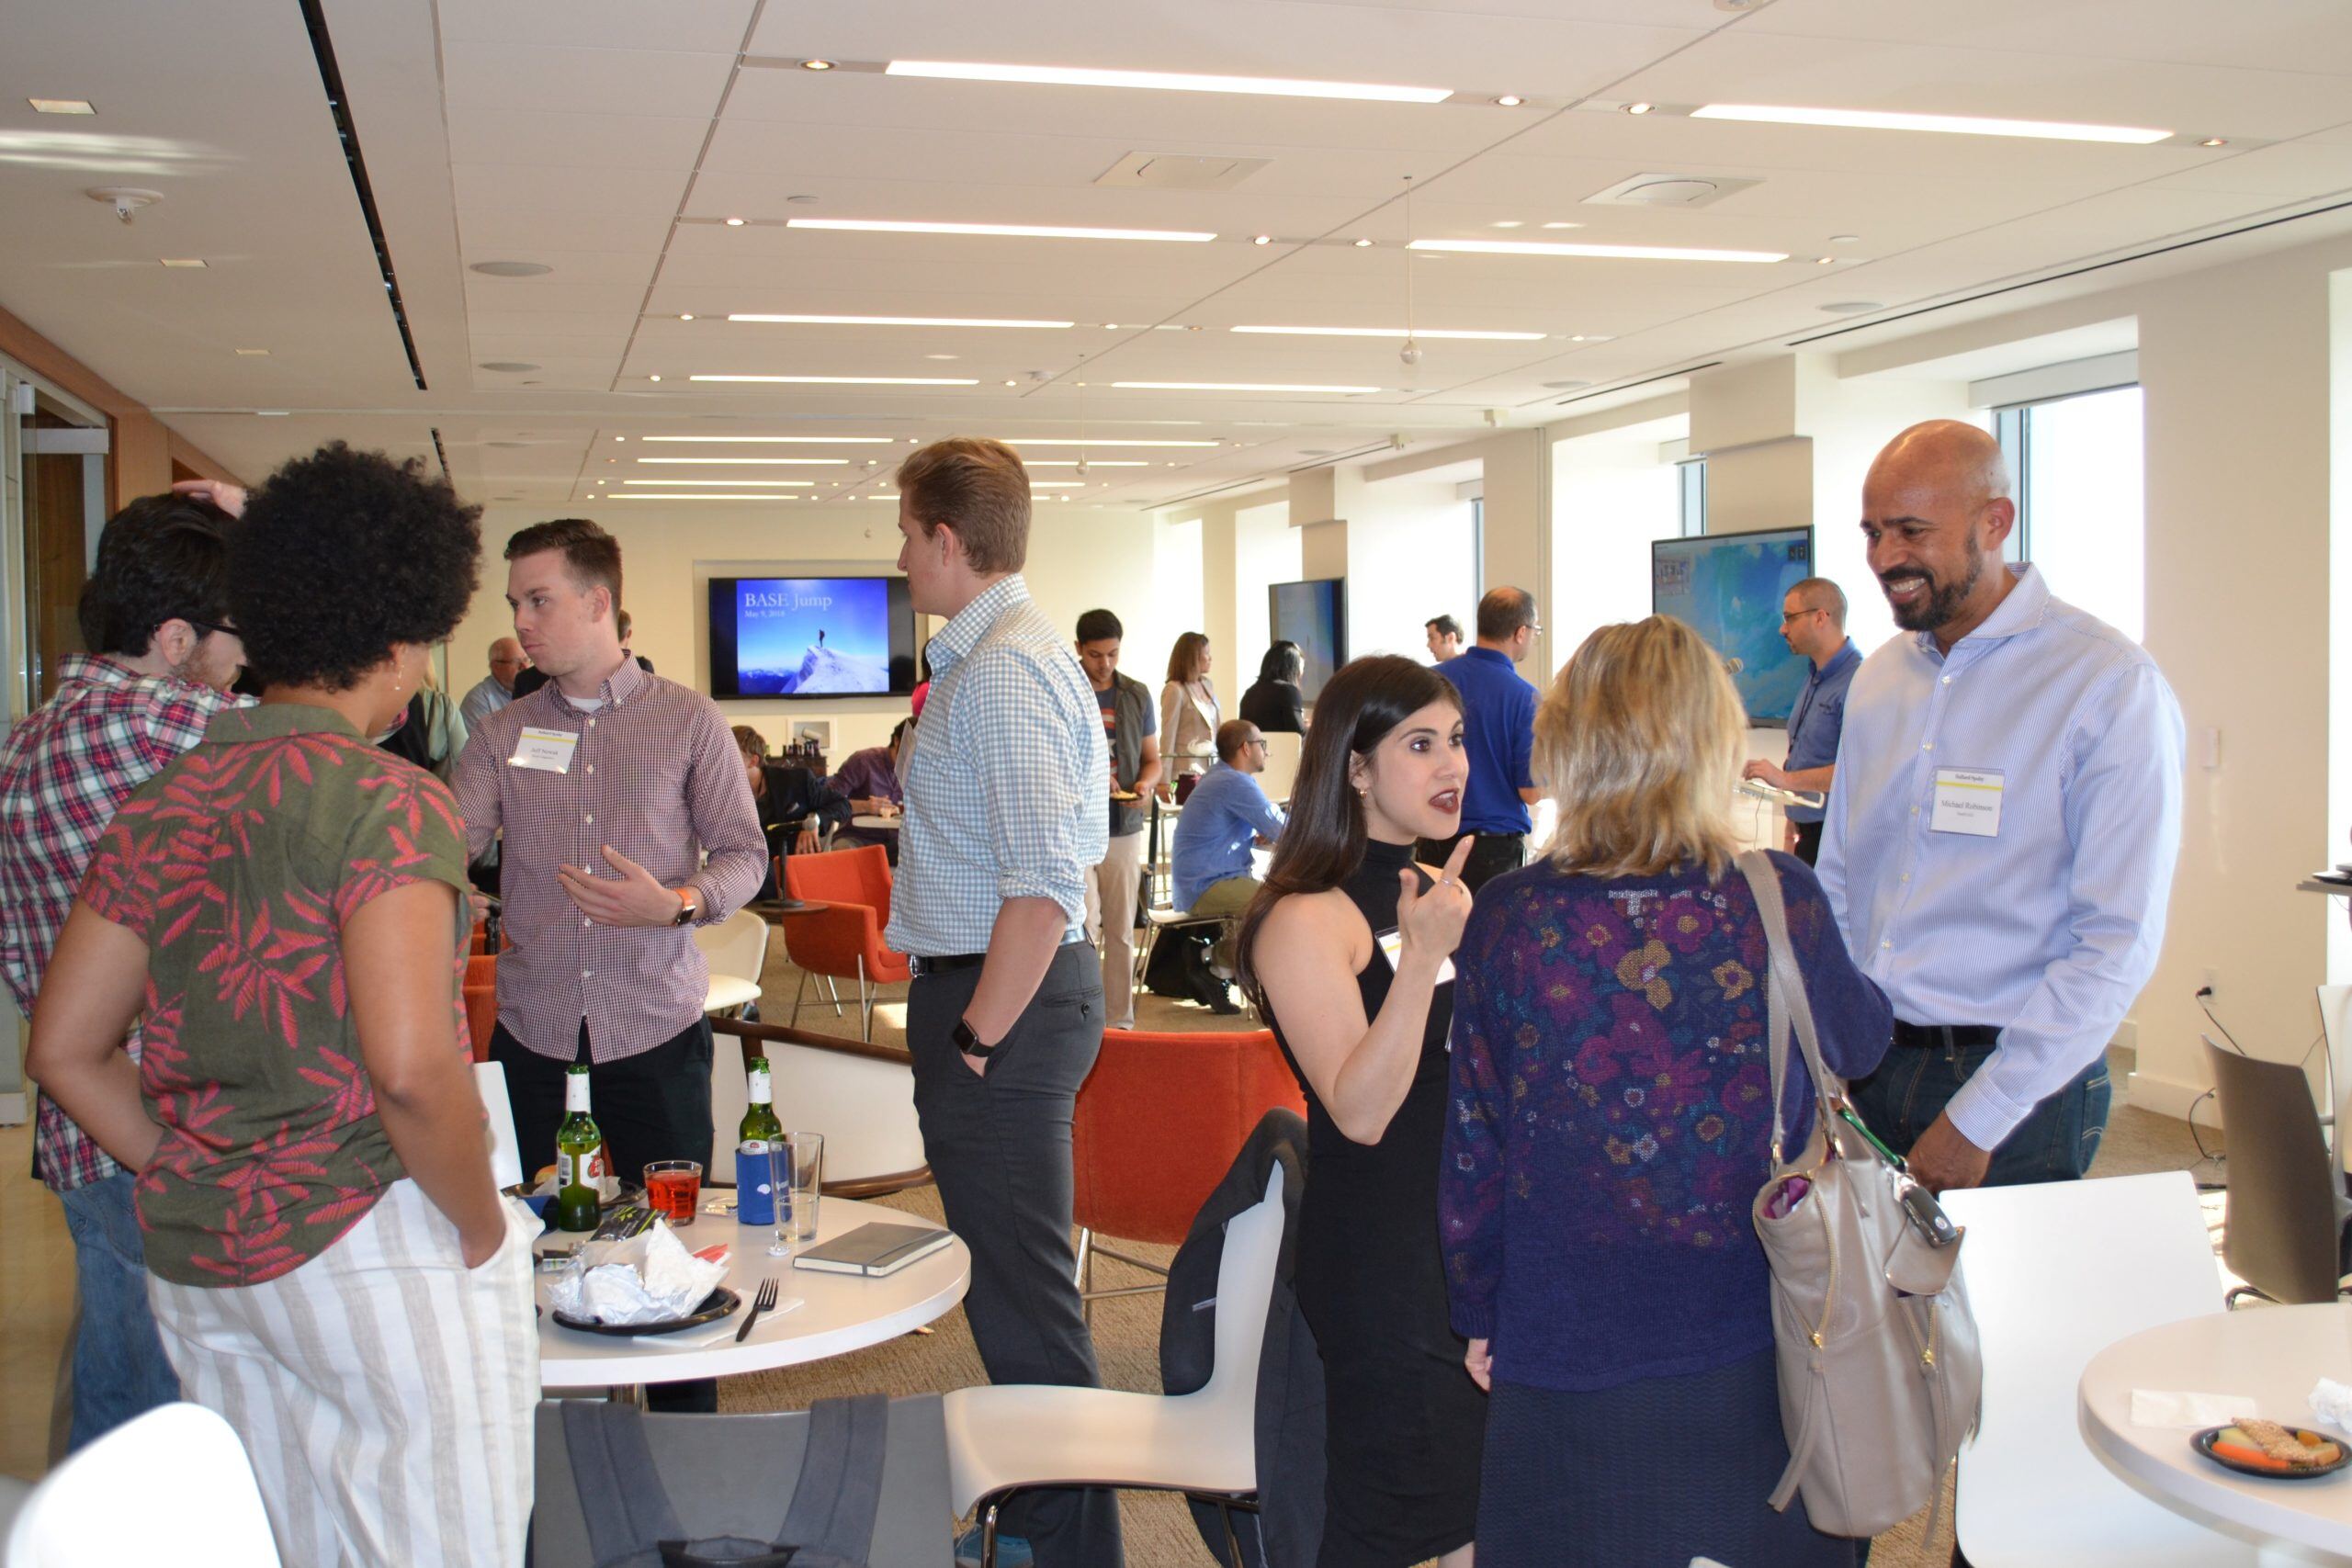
[2331, 1402]
[2159, 1407]
[649, 1278]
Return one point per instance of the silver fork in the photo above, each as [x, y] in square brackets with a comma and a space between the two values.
[762, 1300]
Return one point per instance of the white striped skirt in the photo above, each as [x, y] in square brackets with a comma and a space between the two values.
[383, 1390]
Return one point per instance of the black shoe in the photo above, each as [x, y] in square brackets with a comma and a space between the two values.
[1220, 1002]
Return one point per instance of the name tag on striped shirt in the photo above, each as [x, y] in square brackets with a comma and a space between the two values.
[545, 750]
[1968, 800]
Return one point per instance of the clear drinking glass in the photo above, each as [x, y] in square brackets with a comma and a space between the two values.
[807, 1170]
[779, 1179]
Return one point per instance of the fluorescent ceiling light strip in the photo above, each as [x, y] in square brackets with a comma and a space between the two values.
[850, 380]
[781, 440]
[1618, 253]
[750, 462]
[763, 484]
[1165, 81]
[898, 322]
[1950, 124]
[1235, 386]
[1010, 441]
[1390, 331]
[1090, 462]
[1056, 484]
[648, 495]
[1006, 231]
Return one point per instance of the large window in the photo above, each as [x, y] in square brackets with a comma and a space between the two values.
[2077, 465]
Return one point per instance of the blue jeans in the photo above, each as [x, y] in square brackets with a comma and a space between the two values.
[2056, 1143]
[120, 1370]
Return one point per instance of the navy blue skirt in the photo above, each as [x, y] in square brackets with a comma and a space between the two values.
[1648, 1474]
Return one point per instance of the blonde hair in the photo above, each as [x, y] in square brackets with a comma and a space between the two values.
[1638, 743]
[977, 487]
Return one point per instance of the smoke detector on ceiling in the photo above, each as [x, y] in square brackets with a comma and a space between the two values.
[1670, 190]
[126, 199]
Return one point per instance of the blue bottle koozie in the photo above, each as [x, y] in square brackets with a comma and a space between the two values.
[754, 1197]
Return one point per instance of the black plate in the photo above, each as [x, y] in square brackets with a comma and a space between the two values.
[715, 1306]
[2203, 1443]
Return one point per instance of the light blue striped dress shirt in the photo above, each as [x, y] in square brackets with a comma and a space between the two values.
[2049, 928]
[1005, 784]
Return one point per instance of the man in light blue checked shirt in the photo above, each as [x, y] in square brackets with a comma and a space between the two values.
[1005, 814]
[2002, 829]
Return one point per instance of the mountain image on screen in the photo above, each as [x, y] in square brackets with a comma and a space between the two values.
[812, 635]
[1729, 588]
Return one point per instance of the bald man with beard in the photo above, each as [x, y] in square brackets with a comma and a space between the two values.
[2002, 828]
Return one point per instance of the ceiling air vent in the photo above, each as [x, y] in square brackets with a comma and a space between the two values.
[1178, 171]
[1670, 190]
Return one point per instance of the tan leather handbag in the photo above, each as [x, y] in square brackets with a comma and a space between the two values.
[1879, 1365]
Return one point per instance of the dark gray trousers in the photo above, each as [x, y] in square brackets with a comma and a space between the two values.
[999, 1147]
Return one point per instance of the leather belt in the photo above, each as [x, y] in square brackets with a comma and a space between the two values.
[919, 964]
[1938, 1036]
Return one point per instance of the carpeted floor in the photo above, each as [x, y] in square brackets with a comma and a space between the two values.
[1127, 1330]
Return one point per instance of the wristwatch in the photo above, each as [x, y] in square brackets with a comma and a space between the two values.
[969, 1043]
[687, 908]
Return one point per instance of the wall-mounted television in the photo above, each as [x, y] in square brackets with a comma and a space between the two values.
[1313, 614]
[1729, 587]
[811, 637]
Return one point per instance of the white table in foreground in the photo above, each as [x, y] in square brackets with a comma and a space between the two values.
[841, 1311]
[2272, 1355]
[728, 991]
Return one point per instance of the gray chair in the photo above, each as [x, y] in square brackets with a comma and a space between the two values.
[2286, 1214]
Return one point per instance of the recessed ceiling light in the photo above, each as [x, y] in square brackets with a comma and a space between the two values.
[1011, 441]
[1563, 225]
[1825, 261]
[815, 66]
[649, 495]
[1056, 484]
[940, 357]
[1620, 253]
[61, 106]
[1639, 108]
[1509, 101]
[1509, 223]
[1390, 331]
[624, 438]
[1005, 230]
[1844, 239]
[1165, 81]
[510, 268]
[779, 440]
[1852, 307]
[1363, 244]
[506, 367]
[724, 484]
[1590, 337]
[752, 462]
[734, 222]
[253, 353]
[898, 321]
[2215, 141]
[1110, 326]
[844, 381]
[1263, 240]
[653, 377]
[1012, 383]
[1238, 387]
[272, 413]
[1564, 386]
[181, 261]
[1948, 124]
[685, 318]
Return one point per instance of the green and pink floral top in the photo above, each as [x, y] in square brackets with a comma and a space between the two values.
[238, 865]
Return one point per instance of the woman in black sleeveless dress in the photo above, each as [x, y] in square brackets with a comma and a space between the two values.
[1345, 950]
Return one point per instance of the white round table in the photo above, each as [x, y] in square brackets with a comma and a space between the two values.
[838, 1311]
[728, 991]
[2271, 1355]
[876, 824]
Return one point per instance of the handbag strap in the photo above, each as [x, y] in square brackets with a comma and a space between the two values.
[1790, 1008]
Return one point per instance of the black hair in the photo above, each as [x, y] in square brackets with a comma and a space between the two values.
[1283, 662]
[163, 557]
[1322, 843]
[591, 556]
[1444, 626]
[1099, 625]
[341, 555]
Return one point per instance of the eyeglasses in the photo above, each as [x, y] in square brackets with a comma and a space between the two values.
[1788, 615]
[208, 627]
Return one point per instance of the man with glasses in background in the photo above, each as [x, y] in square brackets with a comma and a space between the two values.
[162, 655]
[1226, 817]
[1812, 623]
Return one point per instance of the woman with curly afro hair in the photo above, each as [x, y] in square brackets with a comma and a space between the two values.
[330, 1263]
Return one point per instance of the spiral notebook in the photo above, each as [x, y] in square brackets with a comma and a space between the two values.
[873, 1250]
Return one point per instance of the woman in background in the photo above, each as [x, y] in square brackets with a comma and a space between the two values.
[330, 1263]
[1273, 702]
[1344, 949]
[1189, 716]
[1609, 1128]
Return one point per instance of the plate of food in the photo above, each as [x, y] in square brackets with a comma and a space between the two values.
[715, 1306]
[2270, 1450]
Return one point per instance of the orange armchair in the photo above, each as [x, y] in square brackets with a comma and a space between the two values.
[1160, 1120]
[842, 940]
[480, 994]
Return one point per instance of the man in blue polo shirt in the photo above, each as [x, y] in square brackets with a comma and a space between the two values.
[1812, 623]
[1498, 734]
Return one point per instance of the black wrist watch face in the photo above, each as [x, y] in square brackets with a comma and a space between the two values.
[686, 913]
[969, 1043]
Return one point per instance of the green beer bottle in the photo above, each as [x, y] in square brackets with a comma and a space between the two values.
[579, 1158]
[759, 1126]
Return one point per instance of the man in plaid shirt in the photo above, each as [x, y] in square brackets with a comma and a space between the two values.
[155, 614]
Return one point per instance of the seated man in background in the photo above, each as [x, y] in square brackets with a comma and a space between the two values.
[870, 779]
[1228, 814]
[795, 805]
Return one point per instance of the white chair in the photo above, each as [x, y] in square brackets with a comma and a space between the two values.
[1158, 921]
[1282, 752]
[737, 948]
[172, 1486]
[861, 1097]
[505, 1150]
[1008, 1437]
[2056, 1274]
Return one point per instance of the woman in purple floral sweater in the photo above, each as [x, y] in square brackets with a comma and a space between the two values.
[1611, 1107]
